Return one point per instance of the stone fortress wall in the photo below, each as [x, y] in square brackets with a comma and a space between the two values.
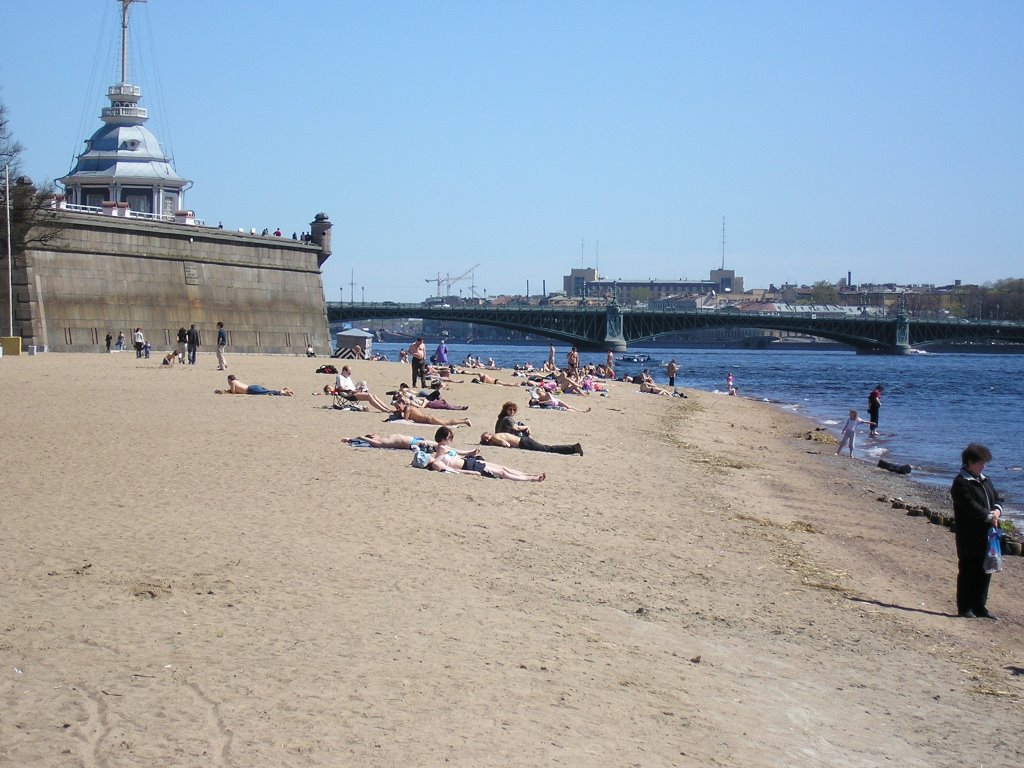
[105, 274]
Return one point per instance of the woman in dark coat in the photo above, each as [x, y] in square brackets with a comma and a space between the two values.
[976, 513]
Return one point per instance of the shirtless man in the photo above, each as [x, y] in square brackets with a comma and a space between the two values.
[483, 378]
[447, 459]
[236, 387]
[527, 443]
[569, 385]
[417, 357]
[420, 416]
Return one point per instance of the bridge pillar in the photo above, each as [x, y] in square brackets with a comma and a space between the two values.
[613, 338]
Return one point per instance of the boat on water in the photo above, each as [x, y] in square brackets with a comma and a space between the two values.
[637, 358]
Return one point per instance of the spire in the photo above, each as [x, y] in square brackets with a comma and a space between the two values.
[123, 161]
[125, 5]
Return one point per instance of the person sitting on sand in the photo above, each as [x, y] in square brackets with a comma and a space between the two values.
[236, 387]
[527, 443]
[398, 442]
[447, 459]
[569, 385]
[544, 399]
[419, 415]
[344, 387]
[483, 378]
[650, 388]
[507, 421]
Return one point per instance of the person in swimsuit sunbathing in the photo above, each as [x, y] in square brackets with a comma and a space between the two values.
[235, 387]
[483, 378]
[393, 441]
[447, 459]
[546, 400]
[420, 416]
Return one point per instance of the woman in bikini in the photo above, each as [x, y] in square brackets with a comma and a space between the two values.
[447, 459]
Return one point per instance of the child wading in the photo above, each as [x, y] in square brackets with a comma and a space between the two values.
[849, 433]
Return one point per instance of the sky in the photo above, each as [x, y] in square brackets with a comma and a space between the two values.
[514, 141]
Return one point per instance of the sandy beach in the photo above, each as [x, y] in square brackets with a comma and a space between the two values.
[191, 579]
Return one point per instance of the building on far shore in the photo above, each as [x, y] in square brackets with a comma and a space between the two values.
[587, 283]
[125, 253]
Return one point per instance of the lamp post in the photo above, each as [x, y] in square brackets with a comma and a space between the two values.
[10, 260]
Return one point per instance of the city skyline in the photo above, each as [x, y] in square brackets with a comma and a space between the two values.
[530, 139]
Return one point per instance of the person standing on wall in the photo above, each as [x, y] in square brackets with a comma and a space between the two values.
[193, 343]
[222, 342]
[874, 404]
[976, 512]
[417, 357]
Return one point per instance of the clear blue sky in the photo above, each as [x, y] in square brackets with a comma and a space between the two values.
[882, 138]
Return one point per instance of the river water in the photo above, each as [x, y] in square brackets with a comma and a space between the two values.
[933, 404]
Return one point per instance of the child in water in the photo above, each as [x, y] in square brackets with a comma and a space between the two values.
[849, 433]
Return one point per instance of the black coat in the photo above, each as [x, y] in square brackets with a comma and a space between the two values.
[973, 499]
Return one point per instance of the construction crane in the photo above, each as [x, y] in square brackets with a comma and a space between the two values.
[449, 281]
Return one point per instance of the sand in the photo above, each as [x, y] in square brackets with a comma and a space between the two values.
[199, 580]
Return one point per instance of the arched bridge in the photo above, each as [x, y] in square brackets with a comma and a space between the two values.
[616, 327]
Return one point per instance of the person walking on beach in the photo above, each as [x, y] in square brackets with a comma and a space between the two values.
[671, 369]
[109, 340]
[222, 342]
[874, 404]
[417, 357]
[182, 344]
[193, 343]
[849, 433]
[139, 340]
[441, 353]
[976, 512]
[120, 341]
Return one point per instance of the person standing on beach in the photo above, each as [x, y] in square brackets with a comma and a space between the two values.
[671, 369]
[139, 341]
[417, 357]
[109, 340]
[193, 343]
[849, 433]
[120, 341]
[182, 344]
[551, 357]
[222, 342]
[572, 362]
[441, 353]
[976, 512]
[874, 404]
